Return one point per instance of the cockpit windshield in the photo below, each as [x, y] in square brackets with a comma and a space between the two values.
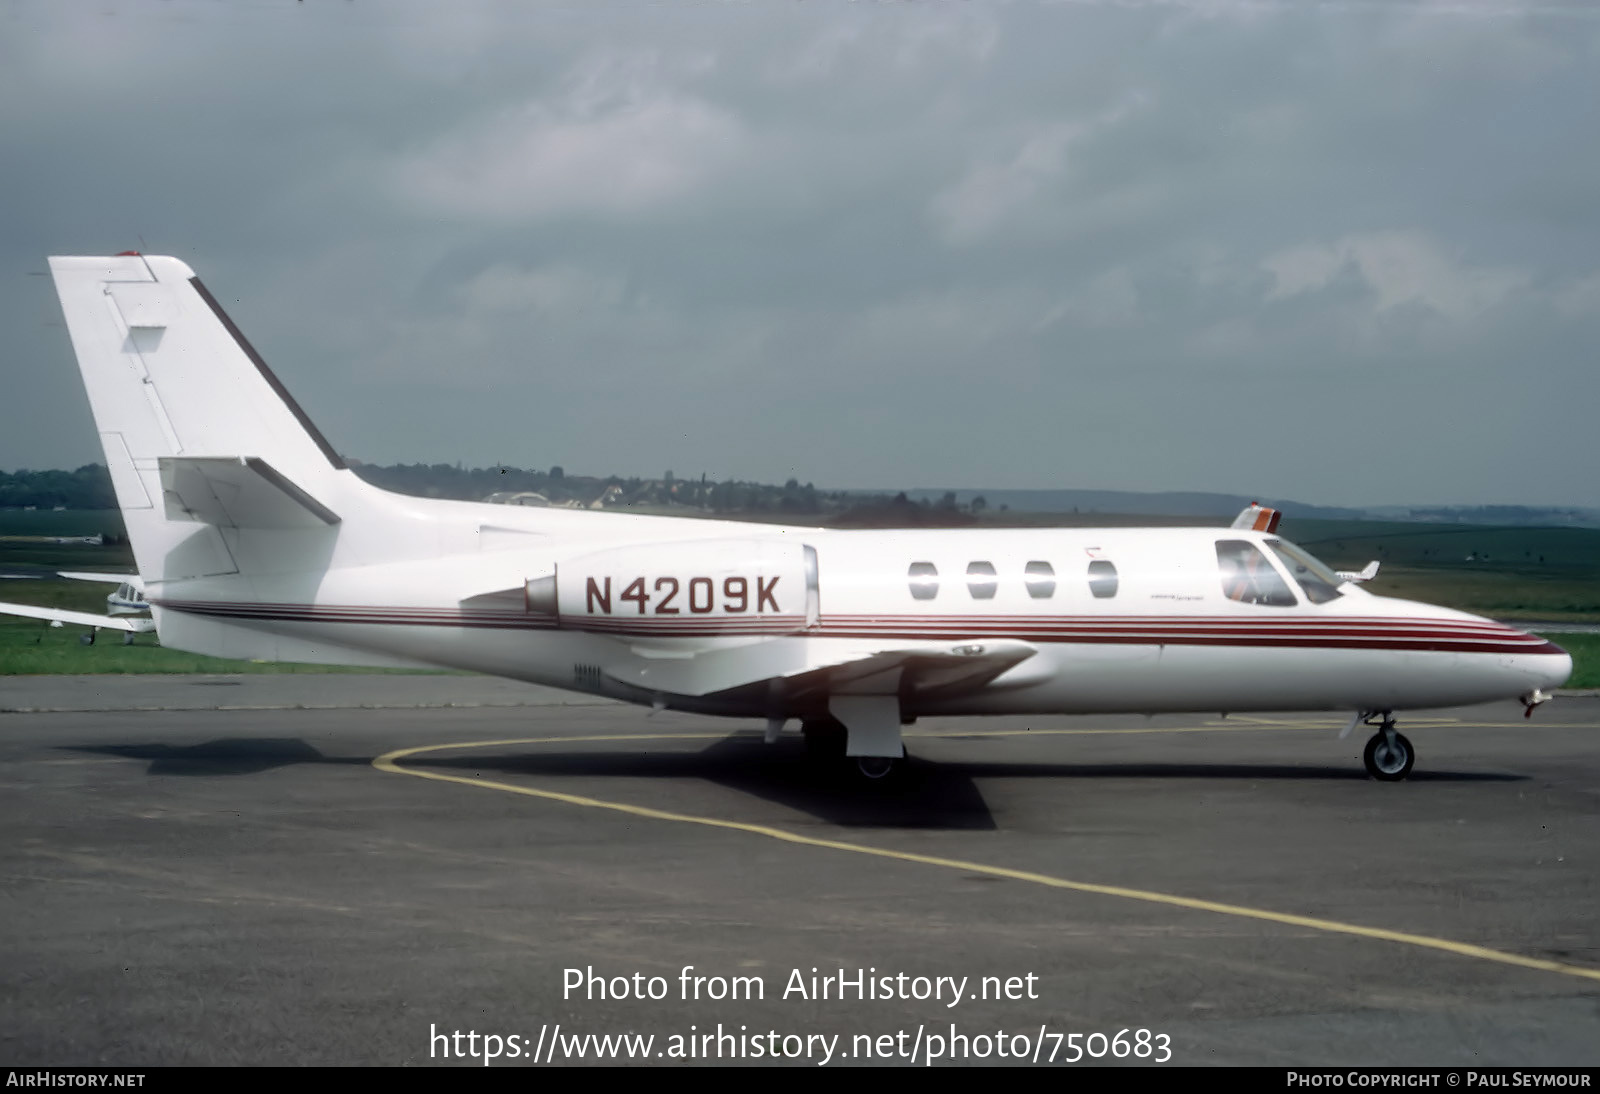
[1320, 583]
[1248, 577]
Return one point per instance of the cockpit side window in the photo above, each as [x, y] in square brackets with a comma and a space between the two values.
[1319, 583]
[1248, 577]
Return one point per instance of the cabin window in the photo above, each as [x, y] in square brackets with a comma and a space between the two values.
[1319, 583]
[924, 580]
[1103, 578]
[981, 580]
[1041, 579]
[1248, 577]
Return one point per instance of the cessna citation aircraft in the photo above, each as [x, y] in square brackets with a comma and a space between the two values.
[253, 539]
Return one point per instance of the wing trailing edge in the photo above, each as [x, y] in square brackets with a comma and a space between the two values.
[800, 665]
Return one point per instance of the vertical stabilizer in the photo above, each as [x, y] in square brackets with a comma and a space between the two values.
[170, 378]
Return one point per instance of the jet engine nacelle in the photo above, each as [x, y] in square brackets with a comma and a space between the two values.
[721, 586]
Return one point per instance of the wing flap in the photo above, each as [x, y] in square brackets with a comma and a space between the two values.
[803, 664]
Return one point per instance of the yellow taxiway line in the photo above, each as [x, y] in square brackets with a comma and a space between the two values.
[391, 762]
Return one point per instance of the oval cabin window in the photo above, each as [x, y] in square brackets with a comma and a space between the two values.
[1041, 580]
[1103, 579]
[981, 580]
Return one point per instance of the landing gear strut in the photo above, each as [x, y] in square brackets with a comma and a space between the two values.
[1388, 754]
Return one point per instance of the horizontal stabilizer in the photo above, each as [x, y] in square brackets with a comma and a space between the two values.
[109, 579]
[237, 492]
[136, 624]
[941, 667]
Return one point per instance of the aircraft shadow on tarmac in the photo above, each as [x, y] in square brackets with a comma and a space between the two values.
[928, 796]
[225, 756]
[933, 794]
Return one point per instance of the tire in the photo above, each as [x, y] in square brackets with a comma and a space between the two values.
[1388, 763]
[878, 769]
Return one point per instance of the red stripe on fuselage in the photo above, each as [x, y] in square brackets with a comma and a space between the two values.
[1369, 633]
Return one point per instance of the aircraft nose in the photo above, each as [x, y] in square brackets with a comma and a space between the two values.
[1555, 667]
[1546, 663]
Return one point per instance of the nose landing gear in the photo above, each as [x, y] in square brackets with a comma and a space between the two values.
[1388, 755]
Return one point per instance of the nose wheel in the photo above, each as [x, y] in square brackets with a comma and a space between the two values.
[1388, 755]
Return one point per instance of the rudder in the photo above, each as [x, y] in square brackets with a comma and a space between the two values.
[169, 375]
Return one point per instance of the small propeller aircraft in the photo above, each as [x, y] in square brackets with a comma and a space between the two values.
[126, 608]
[254, 539]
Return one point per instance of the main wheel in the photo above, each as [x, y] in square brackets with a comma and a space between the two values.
[878, 768]
[1388, 760]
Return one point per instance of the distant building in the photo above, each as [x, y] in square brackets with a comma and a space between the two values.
[523, 497]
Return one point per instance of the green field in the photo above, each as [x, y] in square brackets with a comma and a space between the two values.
[31, 646]
[1506, 573]
[36, 649]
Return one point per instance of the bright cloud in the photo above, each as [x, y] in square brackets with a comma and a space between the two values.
[1399, 268]
[619, 139]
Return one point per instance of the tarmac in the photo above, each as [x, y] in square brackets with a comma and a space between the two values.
[341, 869]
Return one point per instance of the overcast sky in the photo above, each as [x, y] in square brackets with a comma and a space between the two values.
[1342, 252]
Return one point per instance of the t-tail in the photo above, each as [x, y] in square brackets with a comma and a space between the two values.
[225, 486]
[196, 429]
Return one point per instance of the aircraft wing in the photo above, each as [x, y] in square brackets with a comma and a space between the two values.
[85, 619]
[110, 579]
[797, 666]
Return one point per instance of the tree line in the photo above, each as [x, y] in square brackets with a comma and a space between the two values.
[89, 487]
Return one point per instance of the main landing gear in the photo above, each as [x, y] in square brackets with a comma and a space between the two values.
[826, 739]
[1388, 754]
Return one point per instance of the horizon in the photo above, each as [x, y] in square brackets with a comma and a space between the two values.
[963, 493]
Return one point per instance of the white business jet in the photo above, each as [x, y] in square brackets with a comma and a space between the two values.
[255, 540]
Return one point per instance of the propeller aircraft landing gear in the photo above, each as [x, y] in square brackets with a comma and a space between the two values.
[1388, 755]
